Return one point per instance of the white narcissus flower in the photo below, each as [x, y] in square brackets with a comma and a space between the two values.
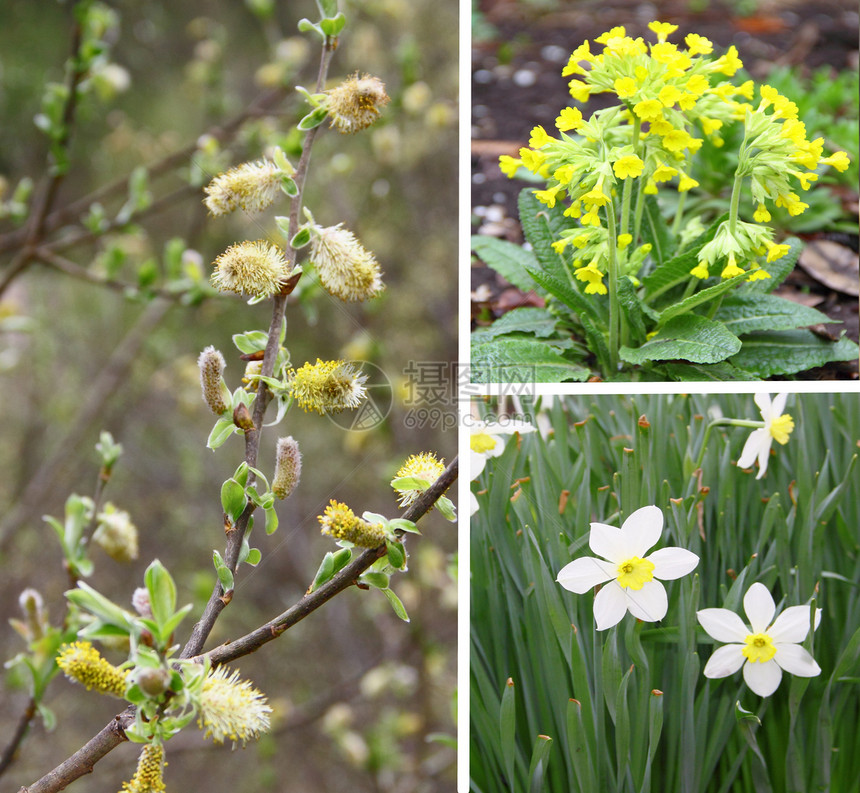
[777, 427]
[485, 441]
[766, 648]
[631, 575]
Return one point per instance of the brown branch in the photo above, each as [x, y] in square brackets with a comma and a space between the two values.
[16, 739]
[217, 600]
[113, 734]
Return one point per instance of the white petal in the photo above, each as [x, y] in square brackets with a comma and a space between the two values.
[792, 625]
[777, 407]
[758, 442]
[473, 504]
[763, 679]
[609, 542]
[671, 563]
[503, 428]
[796, 660]
[643, 529]
[763, 402]
[649, 603]
[610, 606]
[476, 464]
[759, 606]
[498, 447]
[722, 624]
[582, 574]
[725, 661]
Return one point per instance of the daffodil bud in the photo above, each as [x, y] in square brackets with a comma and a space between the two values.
[354, 104]
[288, 467]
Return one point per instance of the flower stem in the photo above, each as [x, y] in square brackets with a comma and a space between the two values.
[723, 422]
[614, 312]
[628, 183]
[679, 214]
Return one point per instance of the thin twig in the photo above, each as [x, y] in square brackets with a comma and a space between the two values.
[113, 734]
[16, 739]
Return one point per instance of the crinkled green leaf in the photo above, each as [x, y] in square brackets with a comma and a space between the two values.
[507, 259]
[537, 322]
[522, 361]
[698, 298]
[748, 312]
[561, 288]
[688, 337]
[790, 351]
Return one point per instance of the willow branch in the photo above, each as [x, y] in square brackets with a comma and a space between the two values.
[20, 731]
[341, 581]
[113, 733]
[219, 599]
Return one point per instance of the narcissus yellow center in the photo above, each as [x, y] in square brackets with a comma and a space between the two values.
[781, 428]
[482, 442]
[759, 648]
[635, 572]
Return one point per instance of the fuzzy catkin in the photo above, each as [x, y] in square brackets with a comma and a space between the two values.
[288, 467]
[211, 364]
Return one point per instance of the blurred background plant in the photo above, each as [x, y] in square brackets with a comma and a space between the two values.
[556, 705]
[103, 328]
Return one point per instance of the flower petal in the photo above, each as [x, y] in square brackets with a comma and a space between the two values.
[758, 442]
[724, 661]
[610, 606]
[723, 625]
[643, 529]
[792, 625]
[582, 574]
[498, 446]
[508, 427]
[671, 563]
[777, 407]
[764, 404]
[609, 542]
[796, 660]
[476, 464]
[649, 603]
[474, 506]
[763, 679]
[759, 606]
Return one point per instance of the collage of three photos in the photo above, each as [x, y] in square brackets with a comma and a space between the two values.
[410, 397]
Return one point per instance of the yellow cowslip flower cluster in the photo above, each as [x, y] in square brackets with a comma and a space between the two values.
[672, 97]
[82, 662]
[340, 522]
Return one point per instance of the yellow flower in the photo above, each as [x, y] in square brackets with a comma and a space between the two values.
[231, 708]
[677, 140]
[591, 218]
[686, 183]
[509, 165]
[664, 173]
[346, 269]
[698, 45]
[758, 274]
[710, 125]
[581, 53]
[669, 95]
[775, 252]
[650, 188]
[593, 278]
[687, 101]
[532, 160]
[148, 778]
[662, 29]
[804, 178]
[613, 33]
[341, 523]
[649, 110]
[579, 90]
[419, 466]
[761, 215]
[624, 240]
[569, 118]
[629, 165]
[839, 160]
[327, 386]
[664, 52]
[792, 202]
[700, 271]
[625, 87]
[539, 138]
[595, 197]
[731, 269]
[548, 196]
[729, 63]
[82, 662]
[564, 174]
